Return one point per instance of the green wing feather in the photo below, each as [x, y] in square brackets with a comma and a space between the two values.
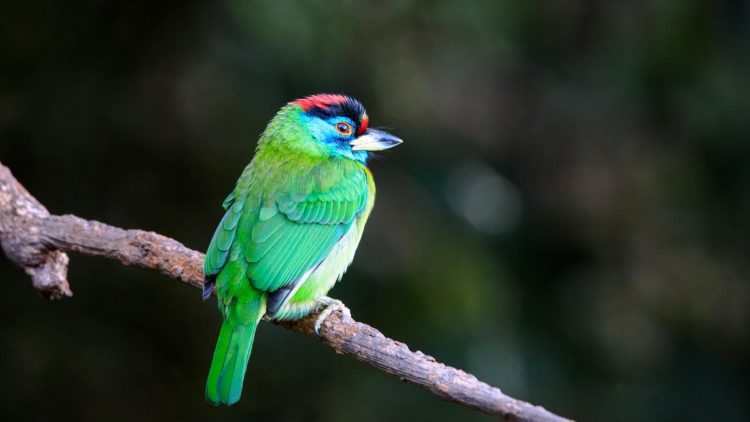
[284, 236]
[218, 249]
[294, 233]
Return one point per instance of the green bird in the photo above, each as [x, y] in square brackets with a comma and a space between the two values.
[291, 227]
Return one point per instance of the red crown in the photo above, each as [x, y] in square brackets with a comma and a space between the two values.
[320, 100]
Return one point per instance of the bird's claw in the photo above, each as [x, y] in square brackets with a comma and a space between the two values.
[328, 306]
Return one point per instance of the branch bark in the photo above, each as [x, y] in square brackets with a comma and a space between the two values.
[37, 241]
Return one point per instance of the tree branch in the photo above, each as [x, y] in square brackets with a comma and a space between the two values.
[37, 242]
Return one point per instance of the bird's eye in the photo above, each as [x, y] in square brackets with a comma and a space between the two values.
[344, 128]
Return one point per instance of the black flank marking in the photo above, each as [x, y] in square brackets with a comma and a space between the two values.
[208, 286]
[276, 299]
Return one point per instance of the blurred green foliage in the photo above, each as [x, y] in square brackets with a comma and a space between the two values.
[569, 217]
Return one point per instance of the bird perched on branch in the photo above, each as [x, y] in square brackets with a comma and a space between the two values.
[291, 227]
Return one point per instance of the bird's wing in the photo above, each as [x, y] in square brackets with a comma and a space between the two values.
[294, 233]
[221, 242]
[285, 236]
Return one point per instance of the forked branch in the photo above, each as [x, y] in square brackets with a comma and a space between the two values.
[37, 241]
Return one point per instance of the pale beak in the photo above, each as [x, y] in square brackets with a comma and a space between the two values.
[374, 140]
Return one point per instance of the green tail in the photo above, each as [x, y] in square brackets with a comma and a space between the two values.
[232, 353]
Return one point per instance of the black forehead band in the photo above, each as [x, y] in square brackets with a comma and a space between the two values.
[350, 108]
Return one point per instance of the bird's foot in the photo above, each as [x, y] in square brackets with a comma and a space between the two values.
[328, 306]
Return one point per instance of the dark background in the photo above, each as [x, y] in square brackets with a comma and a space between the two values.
[568, 218]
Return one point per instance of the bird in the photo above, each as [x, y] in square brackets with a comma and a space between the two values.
[291, 226]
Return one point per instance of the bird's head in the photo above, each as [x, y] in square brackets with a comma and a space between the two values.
[330, 125]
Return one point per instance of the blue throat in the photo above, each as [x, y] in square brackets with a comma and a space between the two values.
[323, 130]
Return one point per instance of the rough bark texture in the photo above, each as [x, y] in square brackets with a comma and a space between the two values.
[37, 242]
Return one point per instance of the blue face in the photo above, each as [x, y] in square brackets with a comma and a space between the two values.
[335, 133]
